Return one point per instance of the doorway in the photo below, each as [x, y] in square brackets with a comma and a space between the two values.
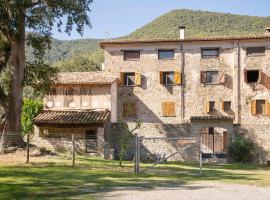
[91, 141]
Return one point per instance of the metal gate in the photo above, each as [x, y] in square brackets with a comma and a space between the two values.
[214, 142]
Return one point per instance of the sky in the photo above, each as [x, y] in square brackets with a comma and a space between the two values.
[115, 18]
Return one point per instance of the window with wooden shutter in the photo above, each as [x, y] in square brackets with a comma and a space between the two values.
[129, 109]
[138, 80]
[168, 109]
[128, 78]
[253, 107]
[260, 107]
[209, 106]
[177, 78]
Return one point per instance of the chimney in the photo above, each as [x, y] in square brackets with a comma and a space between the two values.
[182, 32]
[267, 31]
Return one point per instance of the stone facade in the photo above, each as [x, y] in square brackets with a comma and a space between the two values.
[191, 96]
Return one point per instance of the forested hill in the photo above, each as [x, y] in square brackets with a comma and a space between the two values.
[201, 23]
[198, 23]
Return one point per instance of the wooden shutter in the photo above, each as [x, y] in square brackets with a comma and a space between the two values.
[207, 106]
[260, 76]
[267, 107]
[122, 77]
[221, 77]
[253, 107]
[168, 109]
[223, 105]
[203, 77]
[129, 109]
[177, 78]
[245, 75]
[161, 78]
[138, 79]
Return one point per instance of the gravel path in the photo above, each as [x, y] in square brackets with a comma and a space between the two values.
[201, 191]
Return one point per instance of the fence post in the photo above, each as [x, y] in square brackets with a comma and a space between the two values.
[200, 140]
[73, 151]
[27, 148]
[136, 154]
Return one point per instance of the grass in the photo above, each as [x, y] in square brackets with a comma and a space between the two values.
[54, 178]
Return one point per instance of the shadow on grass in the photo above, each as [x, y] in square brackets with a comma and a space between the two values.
[95, 177]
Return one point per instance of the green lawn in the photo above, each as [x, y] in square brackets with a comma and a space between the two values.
[54, 178]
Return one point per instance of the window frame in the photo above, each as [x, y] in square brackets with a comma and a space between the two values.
[220, 75]
[246, 76]
[125, 74]
[264, 109]
[166, 76]
[210, 49]
[125, 52]
[166, 50]
[254, 54]
[212, 108]
[224, 107]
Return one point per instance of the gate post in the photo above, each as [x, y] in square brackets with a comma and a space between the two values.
[200, 154]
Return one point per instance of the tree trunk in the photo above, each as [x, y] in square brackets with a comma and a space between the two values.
[13, 136]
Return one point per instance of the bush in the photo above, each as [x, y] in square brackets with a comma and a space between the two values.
[242, 150]
[31, 108]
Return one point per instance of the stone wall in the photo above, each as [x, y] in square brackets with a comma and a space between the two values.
[59, 139]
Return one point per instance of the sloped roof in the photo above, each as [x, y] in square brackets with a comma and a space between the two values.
[187, 39]
[85, 78]
[72, 117]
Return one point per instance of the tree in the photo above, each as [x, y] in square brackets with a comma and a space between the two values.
[38, 17]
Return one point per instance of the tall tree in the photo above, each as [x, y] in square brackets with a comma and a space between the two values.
[37, 17]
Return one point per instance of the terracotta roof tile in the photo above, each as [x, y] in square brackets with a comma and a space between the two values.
[188, 39]
[72, 117]
[85, 78]
[212, 117]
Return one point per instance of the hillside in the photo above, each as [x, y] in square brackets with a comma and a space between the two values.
[66, 49]
[201, 23]
[198, 23]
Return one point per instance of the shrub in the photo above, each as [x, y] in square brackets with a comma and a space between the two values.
[31, 108]
[242, 150]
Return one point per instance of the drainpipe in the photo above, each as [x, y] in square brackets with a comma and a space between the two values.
[237, 82]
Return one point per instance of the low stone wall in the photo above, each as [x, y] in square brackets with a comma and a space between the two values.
[151, 149]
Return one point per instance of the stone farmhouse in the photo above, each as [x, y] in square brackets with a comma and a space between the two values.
[214, 87]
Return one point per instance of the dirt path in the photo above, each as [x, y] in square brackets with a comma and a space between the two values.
[201, 191]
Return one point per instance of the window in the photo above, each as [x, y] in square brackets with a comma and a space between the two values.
[210, 53]
[168, 78]
[255, 51]
[52, 91]
[212, 77]
[68, 97]
[252, 76]
[226, 106]
[171, 78]
[210, 106]
[129, 109]
[131, 55]
[168, 109]
[130, 79]
[165, 54]
[260, 107]
[211, 130]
